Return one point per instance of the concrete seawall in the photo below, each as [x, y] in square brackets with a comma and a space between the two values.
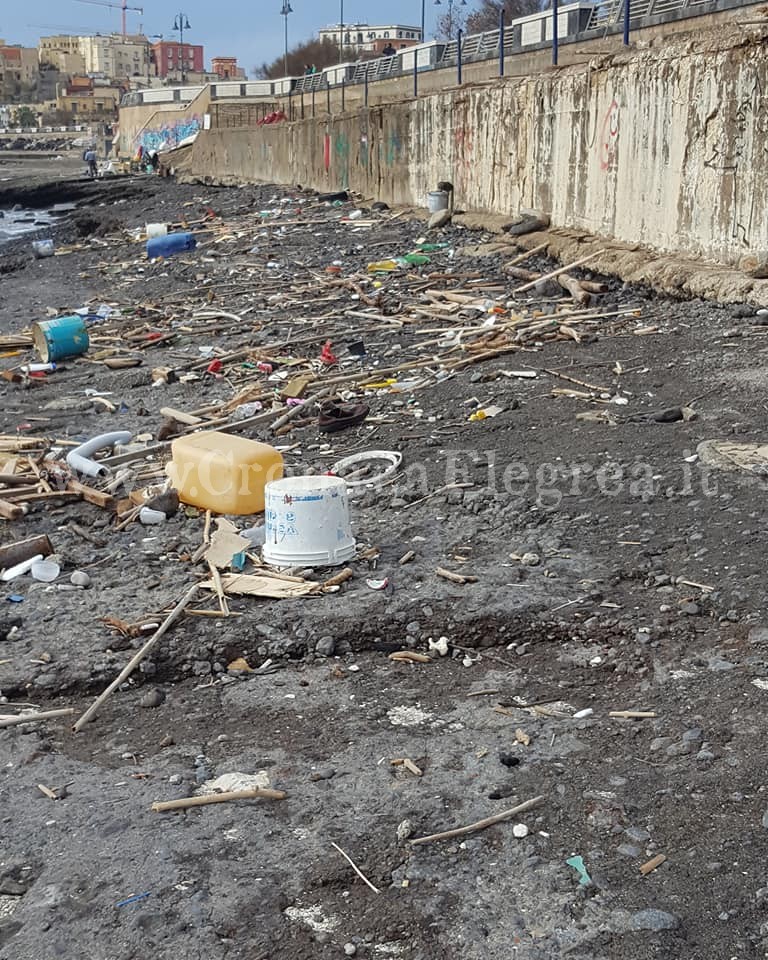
[662, 147]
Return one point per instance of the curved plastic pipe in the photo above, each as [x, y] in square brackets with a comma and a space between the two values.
[79, 458]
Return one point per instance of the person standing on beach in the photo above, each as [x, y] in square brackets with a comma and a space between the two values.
[90, 159]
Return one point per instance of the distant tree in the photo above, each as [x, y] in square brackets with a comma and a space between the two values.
[24, 117]
[321, 53]
[486, 17]
[449, 24]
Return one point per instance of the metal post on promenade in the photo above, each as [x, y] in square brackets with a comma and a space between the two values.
[415, 73]
[459, 38]
[555, 38]
[627, 13]
[502, 39]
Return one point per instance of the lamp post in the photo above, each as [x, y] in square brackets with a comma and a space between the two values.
[341, 31]
[287, 9]
[423, 20]
[459, 3]
[180, 24]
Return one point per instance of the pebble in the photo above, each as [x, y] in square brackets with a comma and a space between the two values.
[326, 773]
[530, 559]
[690, 609]
[583, 714]
[765, 820]
[404, 830]
[175, 779]
[694, 734]
[520, 830]
[654, 920]
[80, 578]
[350, 949]
[152, 698]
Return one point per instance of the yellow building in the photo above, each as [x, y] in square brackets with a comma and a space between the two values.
[63, 53]
[83, 98]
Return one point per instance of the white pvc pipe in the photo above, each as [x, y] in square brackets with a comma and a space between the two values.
[79, 458]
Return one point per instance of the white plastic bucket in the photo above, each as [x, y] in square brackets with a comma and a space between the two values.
[157, 230]
[307, 522]
[437, 200]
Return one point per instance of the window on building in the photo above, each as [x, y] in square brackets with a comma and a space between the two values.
[399, 33]
[359, 38]
[180, 53]
[386, 34]
[170, 54]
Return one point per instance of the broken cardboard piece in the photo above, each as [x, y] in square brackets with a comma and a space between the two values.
[247, 585]
[226, 544]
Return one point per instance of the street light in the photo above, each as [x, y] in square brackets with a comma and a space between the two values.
[341, 31]
[180, 24]
[460, 3]
[287, 9]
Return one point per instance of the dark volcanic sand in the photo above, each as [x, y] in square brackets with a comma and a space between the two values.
[600, 622]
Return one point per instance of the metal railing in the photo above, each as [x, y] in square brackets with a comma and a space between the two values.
[611, 12]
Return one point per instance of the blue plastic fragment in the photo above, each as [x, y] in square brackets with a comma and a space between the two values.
[134, 899]
[16, 598]
[578, 865]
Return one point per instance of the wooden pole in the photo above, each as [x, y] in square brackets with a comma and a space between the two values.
[128, 669]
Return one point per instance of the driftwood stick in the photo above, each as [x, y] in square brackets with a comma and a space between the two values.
[480, 824]
[186, 802]
[556, 273]
[128, 669]
[521, 258]
[357, 870]
[8, 721]
[574, 287]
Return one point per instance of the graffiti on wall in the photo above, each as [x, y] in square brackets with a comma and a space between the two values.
[608, 144]
[169, 135]
[727, 139]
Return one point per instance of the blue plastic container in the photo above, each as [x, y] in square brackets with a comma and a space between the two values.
[60, 338]
[171, 244]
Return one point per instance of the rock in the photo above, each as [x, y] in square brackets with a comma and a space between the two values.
[690, 609]
[152, 698]
[520, 830]
[80, 578]
[654, 920]
[704, 756]
[530, 559]
[440, 219]
[404, 830]
[528, 222]
[167, 503]
[325, 773]
[755, 266]
[719, 665]
[509, 759]
[175, 779]
[350, 949]
[694, 734]
[325, 647]
[765, 820]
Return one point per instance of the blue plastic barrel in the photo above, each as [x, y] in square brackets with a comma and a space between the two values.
[169, 245]
[60, 338]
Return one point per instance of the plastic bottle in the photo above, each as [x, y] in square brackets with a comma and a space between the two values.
[413, 260]
[170, 245]
[383, 266]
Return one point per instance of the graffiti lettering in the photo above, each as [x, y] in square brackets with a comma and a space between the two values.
[609, 137]
[169, 135]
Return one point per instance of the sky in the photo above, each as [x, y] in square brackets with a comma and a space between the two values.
[251, 30]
